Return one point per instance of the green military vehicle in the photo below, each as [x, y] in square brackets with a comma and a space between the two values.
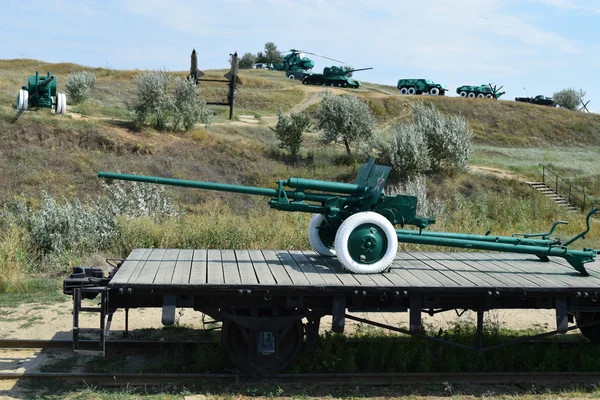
[420, 86]
[539, 100]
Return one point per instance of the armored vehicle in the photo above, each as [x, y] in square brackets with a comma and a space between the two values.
[482, 91]
[539, 100]
[334, 76]
[420, 86]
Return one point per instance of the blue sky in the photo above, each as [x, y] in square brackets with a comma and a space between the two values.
[540, 45]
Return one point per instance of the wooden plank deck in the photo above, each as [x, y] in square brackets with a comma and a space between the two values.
[282, 268]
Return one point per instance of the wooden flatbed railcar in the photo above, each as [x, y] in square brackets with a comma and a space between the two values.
[271, 301]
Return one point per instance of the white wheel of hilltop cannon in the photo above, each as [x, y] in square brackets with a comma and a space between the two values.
[412, 90]
[366, 243]
[19, 104]
[489, 96]
[320, 236]
[434, 91]
[480, 95]
[463, 94]
[64, 103]
[25, 105]
[403, 90]
[58, 105]
[291, 77]
[471, 95]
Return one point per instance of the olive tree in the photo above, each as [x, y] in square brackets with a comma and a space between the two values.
[247, 61]
[289, 130]
[570, 99]
[346, 118]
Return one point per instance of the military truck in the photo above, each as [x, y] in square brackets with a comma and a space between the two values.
[539, 100]
[420, 86]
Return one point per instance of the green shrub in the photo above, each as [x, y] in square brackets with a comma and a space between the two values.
[153, 101]
[405, 149]
[155, 104]
[80, 85]
[430, 142]
[289, 131]
[448, 138]
[75, 226]
[188, 108]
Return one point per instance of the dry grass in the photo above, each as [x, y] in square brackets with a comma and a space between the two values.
[503, 123]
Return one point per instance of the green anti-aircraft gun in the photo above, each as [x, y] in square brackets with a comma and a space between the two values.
[39, 92]
[355, 222]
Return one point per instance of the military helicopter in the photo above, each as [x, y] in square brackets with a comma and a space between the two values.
[297, 65]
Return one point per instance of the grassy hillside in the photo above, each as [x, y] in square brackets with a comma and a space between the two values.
[63, 153]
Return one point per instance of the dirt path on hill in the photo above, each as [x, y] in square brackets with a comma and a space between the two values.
[498, 172]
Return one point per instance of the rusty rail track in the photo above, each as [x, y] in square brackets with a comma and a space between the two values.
[384, 379]
[90, 344]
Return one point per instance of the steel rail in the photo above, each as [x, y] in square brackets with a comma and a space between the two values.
[91, 344]
[383, 379]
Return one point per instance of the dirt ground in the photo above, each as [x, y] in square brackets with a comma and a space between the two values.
[55, 321]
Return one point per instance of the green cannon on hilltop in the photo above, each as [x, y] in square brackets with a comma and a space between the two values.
[356, 221]
[41, 92]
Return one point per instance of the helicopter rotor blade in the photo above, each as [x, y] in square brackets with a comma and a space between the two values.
[318, 55]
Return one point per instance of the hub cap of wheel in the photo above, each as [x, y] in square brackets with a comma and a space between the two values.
[367, 244]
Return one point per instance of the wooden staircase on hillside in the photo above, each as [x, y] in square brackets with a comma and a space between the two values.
[561, 191]
[552, 195]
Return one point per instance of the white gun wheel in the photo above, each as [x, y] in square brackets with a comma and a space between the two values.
[58, 106]
[471, 95]
[20, 100]
[64, 103]
[434, 91]
[412, 90]
[366, 243]
[481, 95]
[314, 237]
[404, 91]
[463, 94]
[25, 105]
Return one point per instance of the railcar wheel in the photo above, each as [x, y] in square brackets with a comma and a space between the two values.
[403, 90]
[463, 94]
[591, 333]
[434, 91]
[412, 90]
[366, 243]
[321, 236]
[241, 346]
